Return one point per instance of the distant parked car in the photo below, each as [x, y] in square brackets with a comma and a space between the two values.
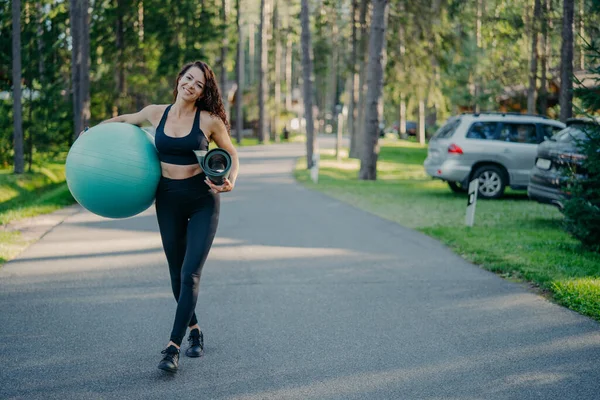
[411, 128]
[498, 149]
[554, 158]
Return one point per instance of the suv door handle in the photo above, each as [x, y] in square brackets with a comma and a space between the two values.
[506, 151]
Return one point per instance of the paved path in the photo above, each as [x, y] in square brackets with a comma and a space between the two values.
[302, 297]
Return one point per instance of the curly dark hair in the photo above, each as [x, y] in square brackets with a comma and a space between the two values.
[211, 96]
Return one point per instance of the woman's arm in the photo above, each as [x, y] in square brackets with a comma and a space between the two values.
[219, 134]
[138, 118]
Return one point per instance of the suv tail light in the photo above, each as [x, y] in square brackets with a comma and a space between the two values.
[454, 149]
[572, 157]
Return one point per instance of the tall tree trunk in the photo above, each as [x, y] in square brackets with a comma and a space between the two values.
[582, 35]
[269, 69]
[30, 123]
[402, 45]
[251, 53]
[29, 77]
[263, 135]
[140, 97]
[333, 70]
[421, 127]
[362, 69]
[566, 62]
[84, 43]
[278, 55]
[477, 78]
[75, 19]
[544, 57]
[362, 94]
[527, 22]
[40, 20]
[353, 88]
[534, 56]
[368, 164]
[434, 80]
[19, 160]
[307, 71]
[120, 44]
[224, 46]
[239, 72]
[402, 119]
[141, 21]
[288, 60]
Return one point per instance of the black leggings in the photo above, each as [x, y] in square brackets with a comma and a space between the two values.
[188, 215]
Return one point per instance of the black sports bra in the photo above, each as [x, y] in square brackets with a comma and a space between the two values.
[179, 150]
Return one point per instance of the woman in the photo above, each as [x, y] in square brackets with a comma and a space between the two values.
[187, 203]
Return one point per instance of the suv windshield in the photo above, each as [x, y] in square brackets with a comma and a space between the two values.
[448, 129]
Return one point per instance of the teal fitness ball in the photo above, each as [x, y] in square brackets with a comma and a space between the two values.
[113, 170]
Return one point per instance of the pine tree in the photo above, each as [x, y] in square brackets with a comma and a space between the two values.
[307, 72]
[582, 210]
[19, 160]
[368, 164]
[566, 62]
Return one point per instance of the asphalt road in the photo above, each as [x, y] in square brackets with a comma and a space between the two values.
[302, 297]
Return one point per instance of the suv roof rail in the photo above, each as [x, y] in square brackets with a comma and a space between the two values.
[584, 120]
[505, 113]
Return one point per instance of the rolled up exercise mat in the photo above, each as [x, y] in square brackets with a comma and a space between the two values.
[215, 163]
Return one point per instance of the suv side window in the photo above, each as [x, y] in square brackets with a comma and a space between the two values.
[518, 133]
[483, 130]
[448, 129]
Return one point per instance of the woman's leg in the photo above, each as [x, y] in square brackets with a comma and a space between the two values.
[173, 231]
[201, 229]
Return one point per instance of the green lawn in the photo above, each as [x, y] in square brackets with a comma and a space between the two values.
[11, 244]
[39, 192]
[514, 237]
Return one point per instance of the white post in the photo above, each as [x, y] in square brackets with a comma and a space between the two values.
[472, 202]
[314, 171]
[338, 141]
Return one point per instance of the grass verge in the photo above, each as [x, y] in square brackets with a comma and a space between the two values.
[514, 237]
[21, 196]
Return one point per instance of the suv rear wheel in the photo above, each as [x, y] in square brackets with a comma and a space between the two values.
[492, 181]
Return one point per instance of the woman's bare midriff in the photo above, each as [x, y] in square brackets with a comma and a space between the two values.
[173, 171]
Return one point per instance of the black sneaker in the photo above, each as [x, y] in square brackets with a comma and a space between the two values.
[196, 340]
[170, 361]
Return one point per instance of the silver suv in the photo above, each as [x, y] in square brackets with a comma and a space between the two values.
[499, 149]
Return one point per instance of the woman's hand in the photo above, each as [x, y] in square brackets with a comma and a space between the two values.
[83, 131]
[227, 186]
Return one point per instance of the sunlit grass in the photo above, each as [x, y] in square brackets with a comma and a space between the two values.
[26, 195]
[514, 237]
[32, 193]
[11, 244]
[579, 294]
